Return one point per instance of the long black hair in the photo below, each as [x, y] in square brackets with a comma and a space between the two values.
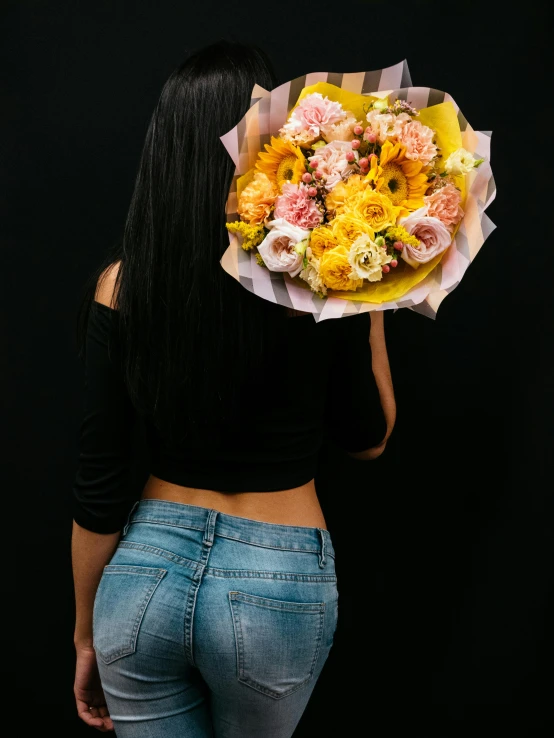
[189, 333]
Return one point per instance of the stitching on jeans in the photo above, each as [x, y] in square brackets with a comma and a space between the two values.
[161, 521]
[283, 576]
[319, 637]
[280, 605]
[169, 555]
[237, 626]
[275, 548]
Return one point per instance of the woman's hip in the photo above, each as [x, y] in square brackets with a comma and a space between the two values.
[252, 605]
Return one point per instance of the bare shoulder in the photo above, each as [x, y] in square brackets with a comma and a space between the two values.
[106, 285]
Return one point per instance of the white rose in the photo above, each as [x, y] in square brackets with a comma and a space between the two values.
[434, 237]
[277, 249]
[367, 259]
[460, 162]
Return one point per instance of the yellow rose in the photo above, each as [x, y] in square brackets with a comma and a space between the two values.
[348, 226]
[322, 239]
[374, 208]
[256, 199]
[334, 269]
[342, 192]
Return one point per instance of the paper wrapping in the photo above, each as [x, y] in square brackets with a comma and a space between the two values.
[269, 111]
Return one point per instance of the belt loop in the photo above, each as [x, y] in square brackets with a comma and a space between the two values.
[322, 549]
[128, 523]
[209, 530]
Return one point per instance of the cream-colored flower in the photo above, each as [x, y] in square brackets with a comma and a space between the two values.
[367, 259]
[385, 125]
[460, 162]
[341, 131]
[311, 275]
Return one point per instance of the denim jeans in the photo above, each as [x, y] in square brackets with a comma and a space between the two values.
[212, 625]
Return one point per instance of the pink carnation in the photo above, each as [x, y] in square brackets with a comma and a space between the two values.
[444, 204]
[332, 162]
[312, 113]
[418, 140]
[296, 207]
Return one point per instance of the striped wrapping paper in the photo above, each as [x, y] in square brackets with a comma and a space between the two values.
[269, 111]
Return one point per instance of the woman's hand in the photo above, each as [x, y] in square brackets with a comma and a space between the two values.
[89, 696]
[369, 454]
[90, 552]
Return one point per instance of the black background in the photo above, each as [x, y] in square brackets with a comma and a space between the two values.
[445, 543]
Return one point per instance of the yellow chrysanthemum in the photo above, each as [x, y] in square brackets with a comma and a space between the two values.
[400, 179]
[334, 269]
[341, 193]
[321, 239]
[374, 207]
[346, 228]
[282, 161]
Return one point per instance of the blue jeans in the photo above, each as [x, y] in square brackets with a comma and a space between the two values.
[211, 625]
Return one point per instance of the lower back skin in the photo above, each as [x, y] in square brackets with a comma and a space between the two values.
[298, 506]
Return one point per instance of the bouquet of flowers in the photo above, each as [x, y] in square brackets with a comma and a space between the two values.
[351, 201]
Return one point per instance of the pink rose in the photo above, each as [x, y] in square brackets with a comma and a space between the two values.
[418, 140]
[444, 204]
[333, 163]
[295, 206]
[311, 114]
[434, 237]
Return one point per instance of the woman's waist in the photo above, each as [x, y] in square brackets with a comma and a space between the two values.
[297, 506]
[178, 528]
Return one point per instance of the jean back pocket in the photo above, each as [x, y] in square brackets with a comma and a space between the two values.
[277, 642]
[121, 601]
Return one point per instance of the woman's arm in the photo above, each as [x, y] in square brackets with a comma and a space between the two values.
[90, 552]
[101, 495]
[383, 379]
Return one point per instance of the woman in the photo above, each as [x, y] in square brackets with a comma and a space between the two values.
[208, 608]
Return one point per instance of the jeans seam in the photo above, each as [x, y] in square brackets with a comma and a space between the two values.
[283, 576]
[163, 553]
[319, 637]
[303, 607]
[207, 544]
[161, 521]
[239, 647]
[276, 548]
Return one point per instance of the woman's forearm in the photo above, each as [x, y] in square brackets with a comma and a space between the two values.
[381, 370]
[90, 552]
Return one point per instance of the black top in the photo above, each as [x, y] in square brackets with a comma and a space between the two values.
[285, 428]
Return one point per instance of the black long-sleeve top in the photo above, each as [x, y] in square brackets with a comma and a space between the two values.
[284, 433]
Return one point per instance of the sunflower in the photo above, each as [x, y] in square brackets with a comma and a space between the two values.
[401, 180]
[283, 162]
